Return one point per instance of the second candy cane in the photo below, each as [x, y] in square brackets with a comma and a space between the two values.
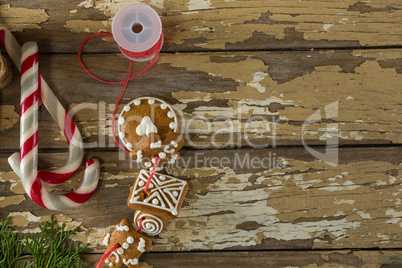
[30, 92]
[34, 87]
[56, 110]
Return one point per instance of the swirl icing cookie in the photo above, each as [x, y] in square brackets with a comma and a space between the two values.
[149, 126]
[151, 224]
[132, 245]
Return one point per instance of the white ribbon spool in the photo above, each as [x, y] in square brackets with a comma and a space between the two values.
[137, 28]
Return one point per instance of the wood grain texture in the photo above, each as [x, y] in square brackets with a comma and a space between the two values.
[218, 24]
[243, 200]
[306, 259]
[243, 99]
[237, 259]
[290, 75]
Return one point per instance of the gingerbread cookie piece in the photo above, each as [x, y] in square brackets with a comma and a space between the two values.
[132, 245]
[149, 126]
[151, 224]
[165, 149]
[164, 197]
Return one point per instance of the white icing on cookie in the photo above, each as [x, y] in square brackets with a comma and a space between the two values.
[130, 261]
[166, 150]
[162, 190]
[156, 169]
[141, 183]
[162, 155]
[154, 145]
[122, 135]
[139, 156]
[146, 126]
[148, 164]
[164, 105]
[141, 245]
[151, 224]
[106, 239]
[155, 201]
[122, 228]
[174, 144]
[117, 257]
[120, 251]
[127, 108]
[129, 145]
[130, 239]
[125, 245]
[172, 125]
[173, 159]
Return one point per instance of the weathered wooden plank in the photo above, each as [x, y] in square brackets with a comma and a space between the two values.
[243, 200]
[244, 99]
[301, 259]
[216, 24]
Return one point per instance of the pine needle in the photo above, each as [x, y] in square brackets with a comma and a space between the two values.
[11, 245]
[50, 249]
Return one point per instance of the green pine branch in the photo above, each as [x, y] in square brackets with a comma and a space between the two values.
[11, 245]
[50, 249]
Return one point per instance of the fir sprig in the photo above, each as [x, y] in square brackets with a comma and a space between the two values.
[50, 249]
[11, 246]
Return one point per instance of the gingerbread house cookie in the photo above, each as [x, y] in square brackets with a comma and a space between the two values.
[149, 127]
[164, 196]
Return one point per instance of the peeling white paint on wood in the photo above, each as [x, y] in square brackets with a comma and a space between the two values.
[198, 4]
[257, 78]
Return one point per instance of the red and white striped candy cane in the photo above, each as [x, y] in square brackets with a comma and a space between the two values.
[59, 114]
[24, 164]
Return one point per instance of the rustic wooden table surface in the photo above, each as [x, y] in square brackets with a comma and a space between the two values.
[264, 87]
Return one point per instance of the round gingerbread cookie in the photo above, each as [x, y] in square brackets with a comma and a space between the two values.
[151, 224]
[148, 127]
